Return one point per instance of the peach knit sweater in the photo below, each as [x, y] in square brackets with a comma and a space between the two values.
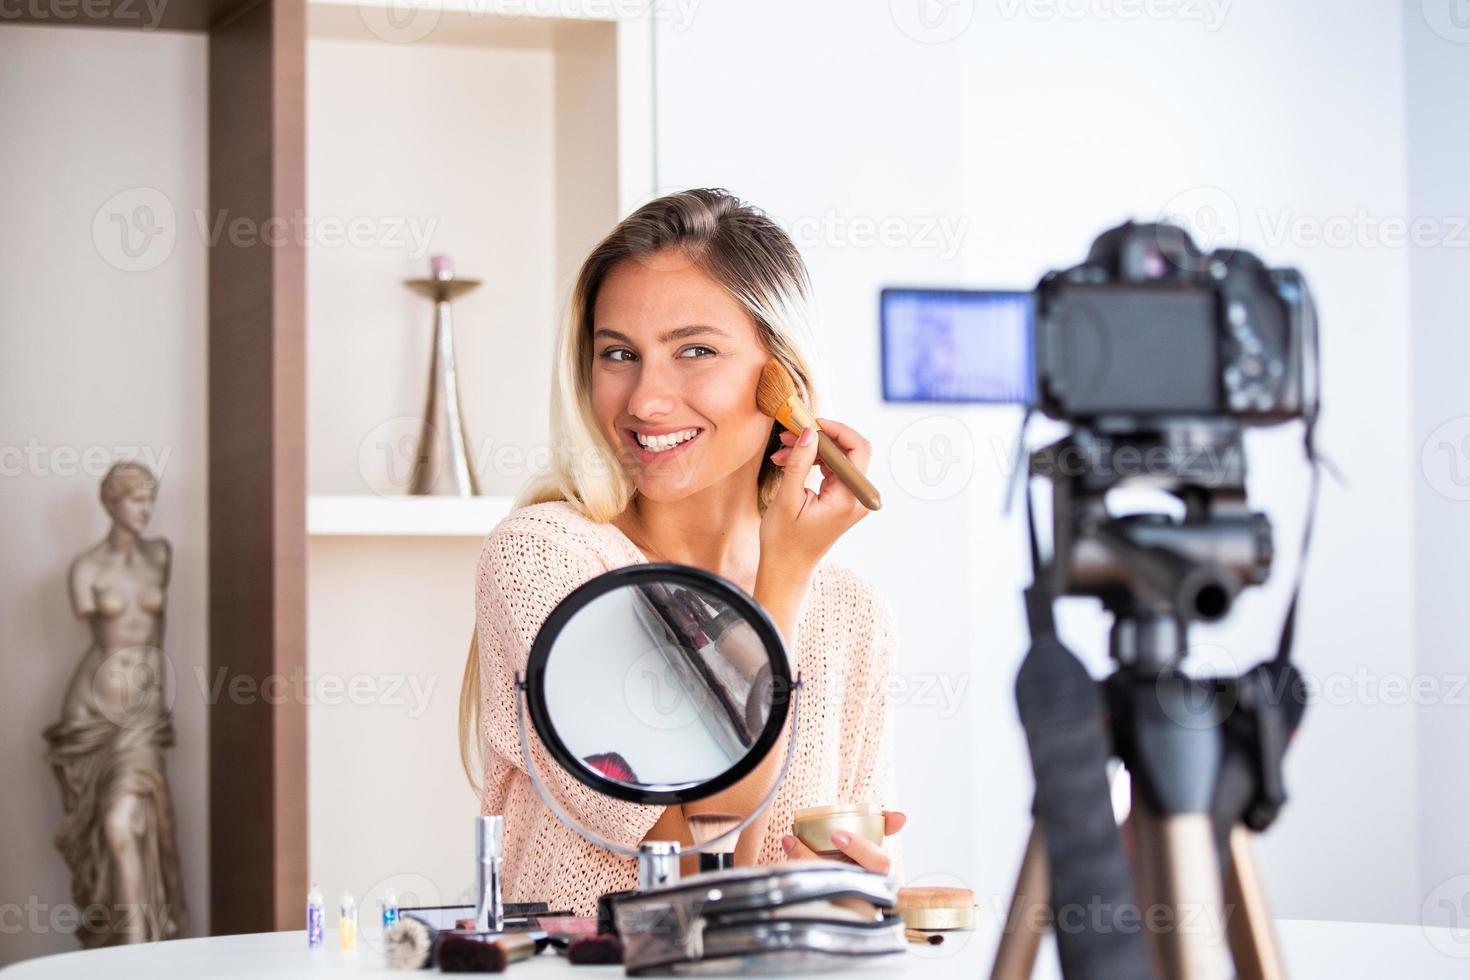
[844, 652]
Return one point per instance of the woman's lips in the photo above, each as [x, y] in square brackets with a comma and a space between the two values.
[649, 456]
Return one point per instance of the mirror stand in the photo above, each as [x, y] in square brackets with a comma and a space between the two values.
[658, 861]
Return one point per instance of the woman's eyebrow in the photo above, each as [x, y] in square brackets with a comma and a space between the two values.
[678, 333]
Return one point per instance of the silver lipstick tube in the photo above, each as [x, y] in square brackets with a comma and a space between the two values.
[489, 862]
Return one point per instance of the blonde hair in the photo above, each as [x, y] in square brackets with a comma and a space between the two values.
[745, 252]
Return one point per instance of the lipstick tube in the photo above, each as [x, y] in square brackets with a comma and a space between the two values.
[489, 862]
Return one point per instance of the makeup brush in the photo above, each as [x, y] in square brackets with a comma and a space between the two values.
[409, 944]
[776, 396]
[595, 951]
[467, 953]
[707, 827]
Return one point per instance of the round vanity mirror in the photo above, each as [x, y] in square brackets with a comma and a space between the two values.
[658, 683]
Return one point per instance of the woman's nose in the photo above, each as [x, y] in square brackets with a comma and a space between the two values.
[656, 394]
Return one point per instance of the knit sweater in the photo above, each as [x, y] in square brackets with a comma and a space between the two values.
[844, 650]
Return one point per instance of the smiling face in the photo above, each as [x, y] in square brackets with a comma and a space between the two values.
[675, 361]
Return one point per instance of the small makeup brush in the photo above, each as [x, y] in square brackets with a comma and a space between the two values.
[707, 827]
[472, 953]
[776, 396]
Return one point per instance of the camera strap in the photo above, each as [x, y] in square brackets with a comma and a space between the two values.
[1314, 488]
[1067, 734]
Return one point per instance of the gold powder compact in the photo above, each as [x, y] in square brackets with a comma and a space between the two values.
[814, 826]
[935, 909]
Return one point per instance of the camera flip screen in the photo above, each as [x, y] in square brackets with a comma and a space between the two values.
[957, 346]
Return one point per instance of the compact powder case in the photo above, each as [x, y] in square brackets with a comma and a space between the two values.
[936, 909]
[814, 826]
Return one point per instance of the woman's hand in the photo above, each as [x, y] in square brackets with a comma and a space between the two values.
[801, 525]
[861, 850]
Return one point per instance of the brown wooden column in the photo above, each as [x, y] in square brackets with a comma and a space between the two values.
[257, 470]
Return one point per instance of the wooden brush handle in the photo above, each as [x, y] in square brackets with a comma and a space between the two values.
[846, 471]
[796, 417]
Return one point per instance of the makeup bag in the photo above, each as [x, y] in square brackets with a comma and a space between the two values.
[797, 917]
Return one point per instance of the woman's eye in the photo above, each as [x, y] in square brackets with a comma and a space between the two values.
[611, 352]
[710, 351]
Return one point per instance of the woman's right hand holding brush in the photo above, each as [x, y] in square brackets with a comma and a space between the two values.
[800, 525]
[797, 529]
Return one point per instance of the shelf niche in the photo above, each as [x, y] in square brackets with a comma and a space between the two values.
[511, 144]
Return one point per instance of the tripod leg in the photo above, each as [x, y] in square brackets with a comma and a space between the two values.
[1144, 825]
[1252, 938]
[1191, 941]
[1015, 957]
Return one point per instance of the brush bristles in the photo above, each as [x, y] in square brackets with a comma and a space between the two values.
[406, 945]
[706, 827]
[460, 954]
[774, 388]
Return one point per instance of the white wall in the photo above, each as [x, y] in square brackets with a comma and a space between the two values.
[389, 804]
[1438, 83]
[1027, 133]
[100, 363]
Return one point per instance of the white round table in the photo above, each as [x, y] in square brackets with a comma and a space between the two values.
[1313, 951]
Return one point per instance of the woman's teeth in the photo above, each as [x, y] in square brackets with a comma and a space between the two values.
[658, 444]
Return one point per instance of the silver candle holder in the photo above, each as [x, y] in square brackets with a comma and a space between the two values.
[442, 458]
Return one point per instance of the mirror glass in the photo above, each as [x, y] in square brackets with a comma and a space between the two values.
[659, 682]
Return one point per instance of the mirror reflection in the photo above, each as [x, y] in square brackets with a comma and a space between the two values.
[659, 684]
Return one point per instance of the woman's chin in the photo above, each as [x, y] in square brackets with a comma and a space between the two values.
[662, 491]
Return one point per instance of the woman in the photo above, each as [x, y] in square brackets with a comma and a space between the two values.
[660, 454]
[107, 750]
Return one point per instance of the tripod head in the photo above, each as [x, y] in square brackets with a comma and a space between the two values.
[1155, 573]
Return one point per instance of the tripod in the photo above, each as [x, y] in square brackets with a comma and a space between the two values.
[1204, 756]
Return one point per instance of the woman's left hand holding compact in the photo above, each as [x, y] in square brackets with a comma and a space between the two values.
[860, 850]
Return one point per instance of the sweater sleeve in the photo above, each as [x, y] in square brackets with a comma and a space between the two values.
[522, 574]
[868, 775]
